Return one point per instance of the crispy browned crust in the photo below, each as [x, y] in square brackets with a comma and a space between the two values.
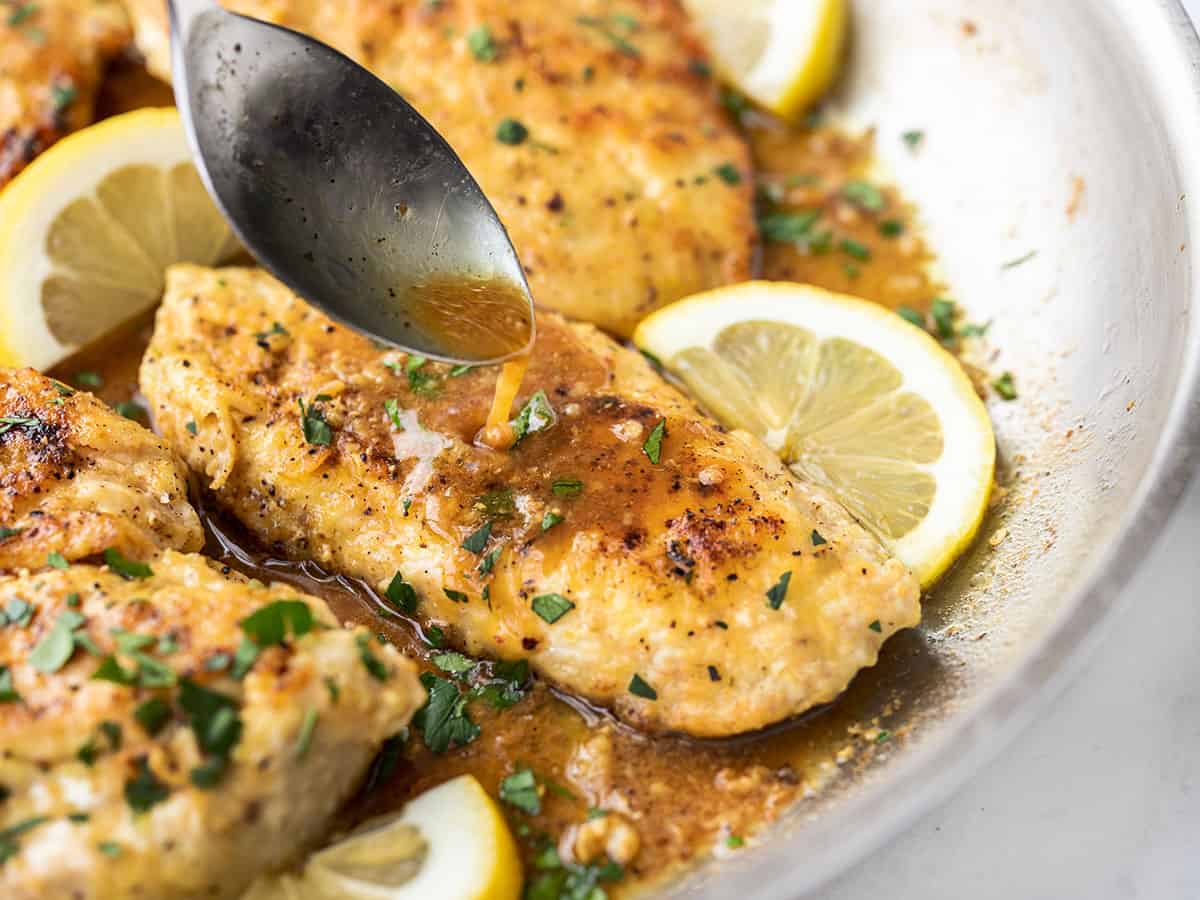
[52, 57]
[667, 562]
[77, 479]
[614, 203]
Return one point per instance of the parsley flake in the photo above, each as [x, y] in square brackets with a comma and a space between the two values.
[1005, 387]
[551, 607]
[144, 790]
[443, 721]
[550, 519]
[520, 790]
[653, 446]
[401, 595]
[478, 539]
[639, 688]
[536, 415]
[312, 421]
[816, 538]
[567, 487]
[57, 561]
[728, 173]
[778, 591]
[865, 195]
[126, 568]
[511, 132]
[481, 44]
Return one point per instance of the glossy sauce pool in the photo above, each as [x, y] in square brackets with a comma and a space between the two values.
[682, 796]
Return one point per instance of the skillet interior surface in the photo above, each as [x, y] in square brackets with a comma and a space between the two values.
[1068, 130]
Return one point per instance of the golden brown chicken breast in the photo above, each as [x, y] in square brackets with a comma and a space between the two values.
[590, 124]
[170, 732]
[638, 555]
[167, 731]
[52, 56]
[76, 479]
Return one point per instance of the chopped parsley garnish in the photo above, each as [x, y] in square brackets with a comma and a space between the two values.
[865, 195]
[786, 227]
[62, 95]
[700, 68]
[914, 139]
[943, 313]
[552, 607]
[130, 410]
[511, 132]
[455, 596]
[567, 487]
[481, 44]
[89, 379]
[1020, 260]
[856, 249]
[152, 715]
[734, 841]
[912, 316]
[372, 663]
[58, 645]
[536, 415]
[6, 533]
[478, 539]
[883, 737]
[497, 504]
[489, 562]
[214, 720]
[8, 837]
[459, 371]
[728, 173]
[443, 721]
[268, 625]
[434, 637]
[191, 428]
[891, 228]
[263, 338]
[605, 28]
[17, 611]
[307, 727]
[126, 568]
[21, 13]
[816, 538]
[421, 383]
[1005, 387]
[401, 595]
[876, 626]
[8, 423]
[778, 591]
[520, 790]
[653, 446]
[393, 410]
[8, 690]
[550, 519]
[453, 663]
[639, 688]
[57, 561]
[569, 881]
[109, 848]
[111, 670]
[144, 790]
[312, 420]
[506, 687]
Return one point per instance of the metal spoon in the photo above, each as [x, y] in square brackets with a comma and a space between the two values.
[335, 184]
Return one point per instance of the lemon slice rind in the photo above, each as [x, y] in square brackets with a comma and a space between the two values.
[964, 469]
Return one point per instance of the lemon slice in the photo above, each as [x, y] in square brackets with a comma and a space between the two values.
[450, 843]
[87, 230]
[783, 53]
[851, 396]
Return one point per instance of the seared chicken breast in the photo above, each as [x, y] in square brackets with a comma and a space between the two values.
[591, 125]
[168, 731]
[637, 554]
[52, 56]
[77, 479]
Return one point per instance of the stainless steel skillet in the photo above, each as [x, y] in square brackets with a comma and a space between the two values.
[1072, 129]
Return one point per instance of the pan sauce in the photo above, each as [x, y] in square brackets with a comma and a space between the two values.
[681, 796]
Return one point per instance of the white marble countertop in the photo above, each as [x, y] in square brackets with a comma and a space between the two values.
[1100, 798]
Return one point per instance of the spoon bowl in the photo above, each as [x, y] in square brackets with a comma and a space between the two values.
[342, 190]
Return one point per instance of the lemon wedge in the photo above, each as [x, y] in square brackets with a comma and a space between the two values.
[783, 53]
[87, 230]
[450, 843]
[851, 396]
